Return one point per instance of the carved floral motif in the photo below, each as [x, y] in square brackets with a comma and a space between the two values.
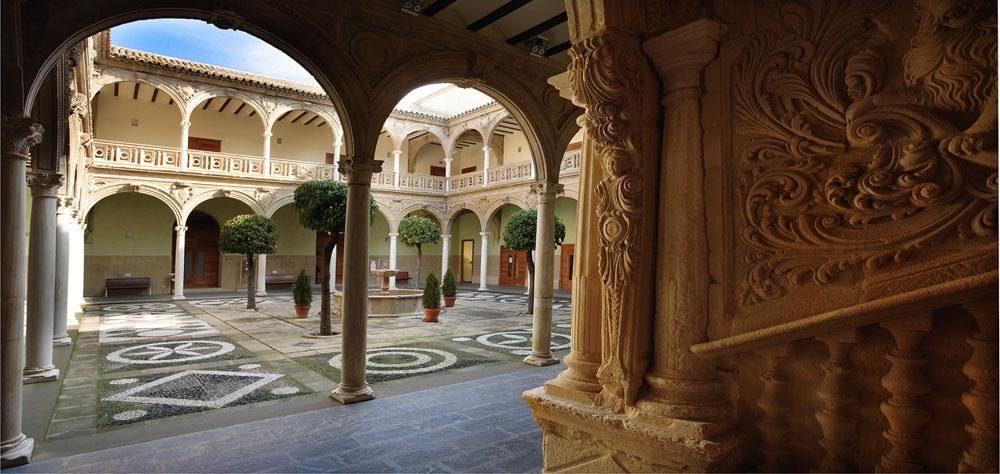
[841, 170]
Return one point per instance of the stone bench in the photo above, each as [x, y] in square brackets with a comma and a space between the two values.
[127, 283]
[276, 280]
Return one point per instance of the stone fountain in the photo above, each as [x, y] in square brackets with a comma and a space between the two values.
[385, 302]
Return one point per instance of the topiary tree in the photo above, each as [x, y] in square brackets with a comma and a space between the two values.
[432, 292]
[322, 206]
[249, 235]
[302, 293]
[520, 235]
[416, 231]
[448, 286]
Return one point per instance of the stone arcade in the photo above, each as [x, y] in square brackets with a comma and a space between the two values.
[786, 254]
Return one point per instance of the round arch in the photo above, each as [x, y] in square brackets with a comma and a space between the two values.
[496, 206]
[202, 197]
[429, 210]
[166, 198]
[283, 26]
[106, 79]
[455, 139]
[215, 93]
[449, 219]
[330, 117]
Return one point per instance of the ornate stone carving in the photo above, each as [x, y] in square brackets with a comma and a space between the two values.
[905, 411]
[838, 393]
[981, 399]
[79, 105]
[44, 183]
[182, 192]
[774, 404]
[19, 135]
[607, 76]
[840, 172]
[130, 188]
[359, 171]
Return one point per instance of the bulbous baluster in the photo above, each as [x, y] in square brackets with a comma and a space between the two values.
[774, 407]
[905, 411]
[838, 393]
[981, 399]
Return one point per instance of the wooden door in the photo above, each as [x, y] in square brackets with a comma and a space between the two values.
[566, 266]
[201, 252]
[204, 144]
[437, 171]
[513, 266]
[471, 169]
[321, 239]
[468, 260]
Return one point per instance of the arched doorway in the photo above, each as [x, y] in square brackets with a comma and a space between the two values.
[201, 251]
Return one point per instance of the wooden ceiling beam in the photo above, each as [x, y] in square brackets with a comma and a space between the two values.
[497, 14]
[116, 89]
[437, 6]
[557, 49]
[155, 93]
[135, 92]
[252, 113]
[539, 28]
[207, 103]
[240, 108]
[304, 112]
[321, 124]
[311, 120]
[284, 115]
[225, 104]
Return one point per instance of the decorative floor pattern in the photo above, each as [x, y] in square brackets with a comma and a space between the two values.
[557, 303]
[241, 301]
[119, 328]
[516, 342]
[391, 363]
[130, 399]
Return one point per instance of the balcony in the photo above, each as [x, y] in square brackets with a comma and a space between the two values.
[151, 158]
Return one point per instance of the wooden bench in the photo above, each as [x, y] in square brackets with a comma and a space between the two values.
[276, 280]
[127, 283]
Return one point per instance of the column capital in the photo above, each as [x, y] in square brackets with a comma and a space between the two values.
[446, 236]
[185, 123]
[181, 229]
[484, 234]
[19, 135]
[268, 134]
[66, 206]
[680, 55]
[546, 190]
[393, 234]
[44, 184]
[359, 170]
[448, 159]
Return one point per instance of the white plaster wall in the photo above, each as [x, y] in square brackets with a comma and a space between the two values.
[515, 148]
[159, 123]
[240, 134]
[301, 142]
[430, 155]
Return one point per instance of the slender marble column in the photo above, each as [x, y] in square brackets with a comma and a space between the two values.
[19, 135]
[353, 386]
[179, 262]
[267, 153]
[682, 385]
[447, 173]
[392, 257]
[77, 259]
[541, 317]
[64, 235]
[486, 165]
[445, 250]
[336, 160]
[333, 269]
[579, 380]
[395, 167]
[41, 277]
[185, 127]
[261, 274]
[483, 259]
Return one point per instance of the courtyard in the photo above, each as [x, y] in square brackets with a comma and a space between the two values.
[150, 369]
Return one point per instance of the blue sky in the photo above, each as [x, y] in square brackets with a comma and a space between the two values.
[196, 40]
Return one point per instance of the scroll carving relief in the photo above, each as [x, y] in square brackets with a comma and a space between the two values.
[845, 167]
[607, 75]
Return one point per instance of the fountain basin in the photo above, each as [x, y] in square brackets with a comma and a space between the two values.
[392, 305]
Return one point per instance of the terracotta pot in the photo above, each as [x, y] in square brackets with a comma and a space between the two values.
[431, 315]
[449, 301]
[302, 311]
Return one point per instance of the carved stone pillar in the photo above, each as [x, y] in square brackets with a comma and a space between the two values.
[267, 153]
[261, 274]
[682, 386]
[483, 259]
[185, 127]
[393, 243]
[65, 222]
[353, 386]
[19, 135]
[579, 380]
[395, 167]
[445, 253]
[486, 165]
[41, 277]
[179, 262]
[541, 316]
[447, 172]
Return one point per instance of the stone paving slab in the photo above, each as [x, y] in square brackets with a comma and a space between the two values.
[476, 426]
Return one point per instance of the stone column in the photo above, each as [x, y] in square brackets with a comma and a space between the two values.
[179, 262]
[447, 172]
[392, 257]
[185, 126]
[65, 222]
[261, 274]
[579, 381]
[680, 385]
[77, 262]
[533, 174]
[395, 167]
[483, 260]
[486, 165]
[19, 135]
[333, 268]
[353, 386]
[267, 153]
[336, 160]
[41, 277]
[445, 253]
[527, 280]
[541, 318]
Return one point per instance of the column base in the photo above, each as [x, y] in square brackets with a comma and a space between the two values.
[16, 452]
[580, 437]
[62, 341]
[541, 360]
[347, 397]
[179, 297]
[260, 293]
[40, 375]
[483, 288]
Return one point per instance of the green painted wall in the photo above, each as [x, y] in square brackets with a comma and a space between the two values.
[130, 224]
[566, 212]
[293, 238]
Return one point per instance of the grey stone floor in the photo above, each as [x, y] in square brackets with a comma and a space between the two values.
[477, 426]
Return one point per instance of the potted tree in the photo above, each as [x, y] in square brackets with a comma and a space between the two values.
[302, 294]
[520, 235]
[416, 231]
[432, 299]
[322, 206]
[250, 235]
[448, 288]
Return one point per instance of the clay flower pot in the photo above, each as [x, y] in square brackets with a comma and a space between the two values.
[302, 311]
[449, 301]
[431, 315]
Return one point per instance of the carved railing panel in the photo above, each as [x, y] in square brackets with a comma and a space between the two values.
[422, 183]
[108, 153]
[511, 173]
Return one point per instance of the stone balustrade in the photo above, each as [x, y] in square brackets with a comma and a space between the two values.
[124, 155]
